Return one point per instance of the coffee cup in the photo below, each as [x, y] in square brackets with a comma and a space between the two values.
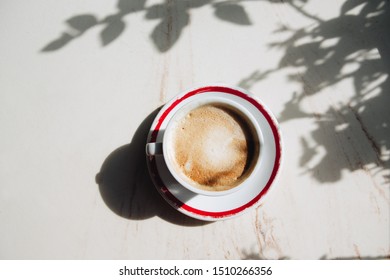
[211, 144]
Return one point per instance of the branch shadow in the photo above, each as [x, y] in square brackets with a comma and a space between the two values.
[126, 187]
[172, 17]
[352, 46]
[384, 257]
[259, 256]
[113, 25]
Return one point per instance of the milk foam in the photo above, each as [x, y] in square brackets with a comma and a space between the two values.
[212, 145]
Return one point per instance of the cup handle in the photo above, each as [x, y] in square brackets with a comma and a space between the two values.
[154, 149]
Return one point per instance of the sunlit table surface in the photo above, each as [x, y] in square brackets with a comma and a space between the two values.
[81, 82]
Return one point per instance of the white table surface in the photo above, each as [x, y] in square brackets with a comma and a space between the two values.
[80, 82]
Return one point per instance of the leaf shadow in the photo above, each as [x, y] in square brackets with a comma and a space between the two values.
[77, 26]
[355, 134]
[232, 12]
[172, 17]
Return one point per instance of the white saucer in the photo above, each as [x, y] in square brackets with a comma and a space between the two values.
[212, 208]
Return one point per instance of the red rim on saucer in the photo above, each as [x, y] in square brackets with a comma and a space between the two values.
[185, 207]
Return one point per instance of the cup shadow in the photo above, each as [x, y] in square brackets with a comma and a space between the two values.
[127, 188]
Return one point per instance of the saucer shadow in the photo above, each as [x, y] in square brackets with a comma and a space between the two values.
[126, 187]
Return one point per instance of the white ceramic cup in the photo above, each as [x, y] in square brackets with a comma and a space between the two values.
[166, 148]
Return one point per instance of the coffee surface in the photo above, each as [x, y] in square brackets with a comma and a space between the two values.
[214, 147]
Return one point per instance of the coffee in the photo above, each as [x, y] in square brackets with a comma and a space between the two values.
[214, 147]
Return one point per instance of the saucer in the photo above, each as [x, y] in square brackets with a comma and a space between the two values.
[213, 208]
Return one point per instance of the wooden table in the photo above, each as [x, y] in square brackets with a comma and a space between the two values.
[80, 83]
